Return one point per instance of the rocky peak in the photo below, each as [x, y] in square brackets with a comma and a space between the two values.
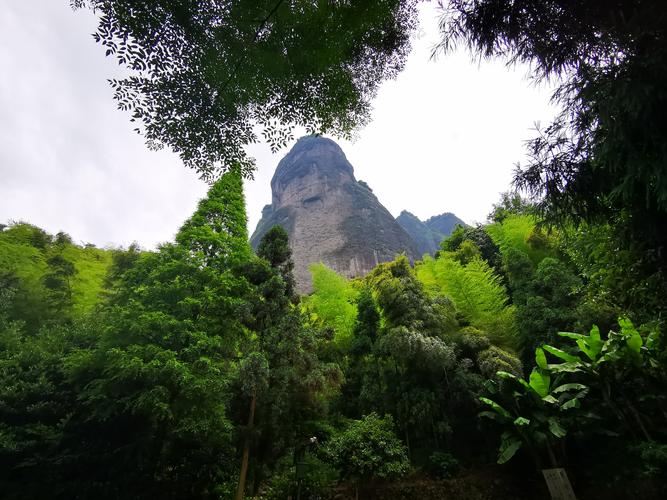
[444, 223]
[313, 166]
[329, 216]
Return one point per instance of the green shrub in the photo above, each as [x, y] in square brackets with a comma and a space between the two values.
[443, 464]
[368, 448]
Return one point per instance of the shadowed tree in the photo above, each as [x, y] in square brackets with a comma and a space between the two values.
[274, 248]
[153, 396]
[285, 386]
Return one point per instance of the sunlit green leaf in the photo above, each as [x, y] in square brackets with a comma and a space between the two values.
[571, 335]
[540, 358]
[539, 382]
[496, 407]
[561, 354]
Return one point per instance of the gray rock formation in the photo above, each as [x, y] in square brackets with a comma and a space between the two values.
[329, 215]
[428, 235]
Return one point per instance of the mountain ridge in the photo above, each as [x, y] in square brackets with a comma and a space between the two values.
[428, 234]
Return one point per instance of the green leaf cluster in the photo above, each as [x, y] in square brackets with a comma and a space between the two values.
[332, 303]
[477, 292]
[206, 78]
[597, 374]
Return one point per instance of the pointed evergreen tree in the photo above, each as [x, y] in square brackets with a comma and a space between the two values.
[218, 229]
[58, 284]
[287, 393]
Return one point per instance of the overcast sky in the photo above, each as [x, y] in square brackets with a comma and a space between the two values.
[445, 136]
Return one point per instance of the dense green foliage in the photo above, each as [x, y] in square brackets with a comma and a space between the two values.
[45, 268]
[205, 73]
[196, 371]
[146, 393]
[519, 232]
[368, 448]
[477, 293]
[605, 150]
[609, 386]
[602, 161]
[332, 303]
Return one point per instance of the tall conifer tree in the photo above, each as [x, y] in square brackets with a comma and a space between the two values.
[218, 229]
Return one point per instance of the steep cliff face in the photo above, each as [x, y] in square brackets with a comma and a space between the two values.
[329, 216]
[428, 235]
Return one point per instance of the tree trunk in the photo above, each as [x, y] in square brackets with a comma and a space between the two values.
[638, 419]
[405, 428]
[407, 442]
[606, 396]
[246, 449]
[552, 456]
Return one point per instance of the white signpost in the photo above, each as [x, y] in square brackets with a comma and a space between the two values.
[558, 484]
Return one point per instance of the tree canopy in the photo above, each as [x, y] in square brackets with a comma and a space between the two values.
[205, 75]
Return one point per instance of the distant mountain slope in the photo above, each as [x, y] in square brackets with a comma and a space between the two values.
[425, 239]
[330, 217]
[444, 224]
[428, 235]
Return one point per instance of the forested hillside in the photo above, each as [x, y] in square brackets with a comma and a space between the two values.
[52, 270]
[196, 371]
[428, 235]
